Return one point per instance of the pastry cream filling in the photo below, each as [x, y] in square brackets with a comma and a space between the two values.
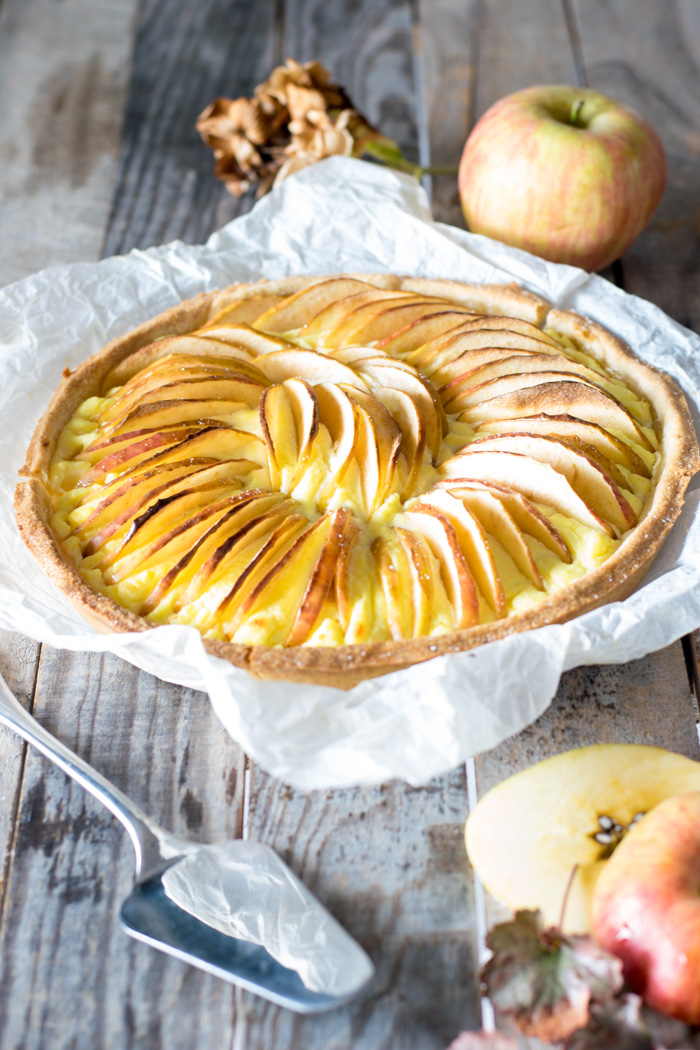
[282, 528]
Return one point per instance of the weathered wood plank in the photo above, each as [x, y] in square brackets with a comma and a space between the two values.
[447, 34]
[518, 49]
[367, 46]
[389, 862]
[648, 55]
[63, 78]
[19, 659]
[91, 986]
[187, 53]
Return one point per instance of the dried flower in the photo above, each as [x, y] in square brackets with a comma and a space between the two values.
[296, 117]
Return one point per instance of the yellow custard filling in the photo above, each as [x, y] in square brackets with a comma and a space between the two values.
[295, 487]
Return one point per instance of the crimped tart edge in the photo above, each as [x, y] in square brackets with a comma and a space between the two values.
[347, 665]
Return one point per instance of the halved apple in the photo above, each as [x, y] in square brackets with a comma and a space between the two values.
[526, 835]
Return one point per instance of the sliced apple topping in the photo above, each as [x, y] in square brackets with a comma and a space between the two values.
[353, 461]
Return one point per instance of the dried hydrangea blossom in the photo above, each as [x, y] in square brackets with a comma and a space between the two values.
[296, 117]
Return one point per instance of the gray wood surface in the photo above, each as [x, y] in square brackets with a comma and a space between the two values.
[98, 155]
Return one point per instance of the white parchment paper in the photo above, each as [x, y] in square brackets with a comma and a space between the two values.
[340, 215]
[244, 890]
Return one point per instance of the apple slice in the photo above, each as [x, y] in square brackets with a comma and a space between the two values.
[473, 543]
[383, 324]
[279, 431]
[419, 559]
[525, 515]
[304, 405]
[171, 545]
[224, 550]
[166, 512]
[177, 348]
[565, 397]
[122, 500]
[307, 364]
[420, 331]
[285, 583]
[413, 434]
[124, 452]
[538, 481]
[517, 364]
[334, 313]
[367, 458]
[457, 399]
[442, 538]
[337, 413]
[275, 553]
[568, 810]
[242, 339]
[382, 377]
[387, 437]
[320, 580]
[346, 580]
[294, 310]
[594, 486]
[466, 339]
[169, 412]
[494, 518]
[395, 580]
[365, 323]
[244, 311]
[572, 430]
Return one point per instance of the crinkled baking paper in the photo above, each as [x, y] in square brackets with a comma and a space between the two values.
[340, 215]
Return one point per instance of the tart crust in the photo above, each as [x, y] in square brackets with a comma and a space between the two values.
[346, 665]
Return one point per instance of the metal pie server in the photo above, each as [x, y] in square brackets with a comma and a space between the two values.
[233, 909]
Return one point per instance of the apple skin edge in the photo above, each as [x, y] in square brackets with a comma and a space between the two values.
[646, 907]
[563, 172]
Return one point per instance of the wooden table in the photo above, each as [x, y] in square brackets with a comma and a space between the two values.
[99, 155]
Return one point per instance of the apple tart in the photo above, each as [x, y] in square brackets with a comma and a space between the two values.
[335, 477]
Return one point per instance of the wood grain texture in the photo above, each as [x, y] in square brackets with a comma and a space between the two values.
[19, 660]
[389, 862]
[64, 71]
[519, 48]
[367, 46]
[93, 987]
[647, 55]
[187, 53]
[448, 33]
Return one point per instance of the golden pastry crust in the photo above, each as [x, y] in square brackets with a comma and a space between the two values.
[346, 665]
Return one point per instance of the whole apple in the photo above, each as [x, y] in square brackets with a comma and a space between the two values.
[563, 172]
[646, 907]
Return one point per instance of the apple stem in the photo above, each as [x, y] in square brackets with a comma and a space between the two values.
[567, 891]
[575, 114]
